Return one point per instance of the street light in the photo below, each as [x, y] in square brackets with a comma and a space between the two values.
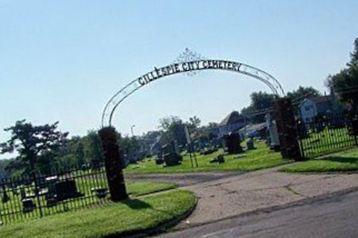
[132, 129]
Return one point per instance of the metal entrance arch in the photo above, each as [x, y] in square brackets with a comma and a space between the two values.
[114, 161]
[185, 67]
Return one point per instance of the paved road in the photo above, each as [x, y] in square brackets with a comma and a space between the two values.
[183, 179]
[330, 217]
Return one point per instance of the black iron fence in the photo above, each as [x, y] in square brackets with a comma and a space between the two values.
[55, 193]
[325, 134]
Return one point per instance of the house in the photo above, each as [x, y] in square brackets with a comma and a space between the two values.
[254, 130]
[232, 123]
[322, 105]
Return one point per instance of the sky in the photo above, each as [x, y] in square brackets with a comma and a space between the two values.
[62, 60]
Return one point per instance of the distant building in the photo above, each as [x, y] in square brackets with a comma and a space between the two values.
[254, 130]
[321, 105]
[232, 123]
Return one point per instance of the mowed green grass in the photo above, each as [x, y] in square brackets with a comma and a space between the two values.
[143, 188]
[260, 158]
[112, 220]
[339, 162]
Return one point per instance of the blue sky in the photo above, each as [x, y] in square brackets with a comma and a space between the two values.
[62, 60]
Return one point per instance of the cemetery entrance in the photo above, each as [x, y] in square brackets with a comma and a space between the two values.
[114, 160]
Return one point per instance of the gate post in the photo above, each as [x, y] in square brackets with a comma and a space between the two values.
[287, 129]
[114, 164]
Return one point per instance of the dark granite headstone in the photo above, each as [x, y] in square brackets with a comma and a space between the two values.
[170, 156]
[233, 143]
[66, 189]
[250, 144]
[28, 205]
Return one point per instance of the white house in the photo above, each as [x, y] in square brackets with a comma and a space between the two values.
[311, 107]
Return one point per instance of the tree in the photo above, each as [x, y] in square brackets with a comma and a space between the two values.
[260, 103]
[345, 83]
[166, 122]
[354, 54]
[130, 147]
[194, 122]
[207, 132]
[80, 154]
[35, 146]
[193, 125]
[94, 149]
[303, 92]
[173, 129]
[262, 100]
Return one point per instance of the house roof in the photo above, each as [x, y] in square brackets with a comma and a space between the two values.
[321, 99]
[253, 127]
[232, 118]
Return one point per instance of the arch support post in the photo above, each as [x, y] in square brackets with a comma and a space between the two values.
[114, 163]
[287, 129]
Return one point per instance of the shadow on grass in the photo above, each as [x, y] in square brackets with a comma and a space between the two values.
[341, 159]
[136, 204]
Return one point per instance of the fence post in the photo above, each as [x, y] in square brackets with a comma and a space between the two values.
[114, 163]
[287, 129]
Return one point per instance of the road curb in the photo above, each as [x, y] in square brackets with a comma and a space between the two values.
[273, 208]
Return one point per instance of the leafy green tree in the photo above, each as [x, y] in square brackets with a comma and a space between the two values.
[303, 92]
[206, 132]
[173, 129]
[260, 102]
[194, 122]
[193, 126]
[354, 54]
[80, 154]
[3, 165]
[130, 146]
[35, 146]
[94, 151]
[345, 83]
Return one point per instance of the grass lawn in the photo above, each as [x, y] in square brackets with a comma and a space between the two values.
[116, 219]
[143, 188]
[338, 162]
[259, 158]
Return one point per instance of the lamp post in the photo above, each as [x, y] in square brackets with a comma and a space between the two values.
[132, 130]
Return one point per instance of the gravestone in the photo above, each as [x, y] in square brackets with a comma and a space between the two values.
[159, 161]
[274, 141]
[232, 142]
[28, 205]
[170, 156]
[100, 192]
[66, 189]
[219, 159]
[51, 195]
[250, 144]
[5, 198]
